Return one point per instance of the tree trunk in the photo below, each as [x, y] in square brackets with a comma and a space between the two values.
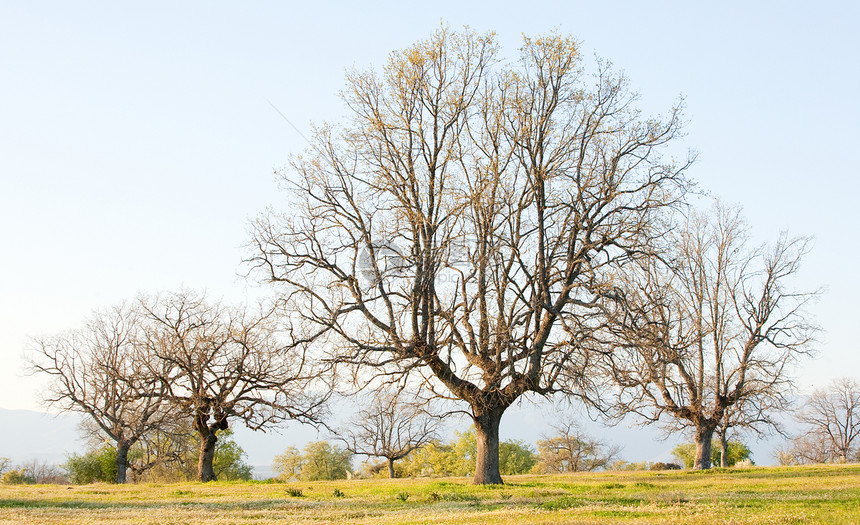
[121, 461]
[704, 435]
[391, 468]
[724, 450]
[487, 455]
[205, 469]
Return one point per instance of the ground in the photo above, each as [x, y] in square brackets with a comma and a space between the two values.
[816, 494]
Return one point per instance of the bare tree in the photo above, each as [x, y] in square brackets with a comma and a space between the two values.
[102, 370]
[569, 449]
[710, 330]
[832, 417]
[458, 229]
[802, 450]
[166, 449]
[43, 473]
[390, 428]
[752, 414]
[227, 364]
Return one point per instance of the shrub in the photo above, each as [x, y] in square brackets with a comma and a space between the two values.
[515, 457]
[96, 465]
[18, 477]
[229, 463]
[664, 466]
[319, 461]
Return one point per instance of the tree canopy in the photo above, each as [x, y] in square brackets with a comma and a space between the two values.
[459, 227]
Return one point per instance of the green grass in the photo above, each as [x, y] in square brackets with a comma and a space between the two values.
[779, 495]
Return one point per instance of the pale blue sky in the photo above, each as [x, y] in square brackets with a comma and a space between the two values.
[136, 140]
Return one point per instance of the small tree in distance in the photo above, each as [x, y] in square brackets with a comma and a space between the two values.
[389, 428]
[831, 417]
[288, 464]
[516, 457]
[569, 449]
[320, 460]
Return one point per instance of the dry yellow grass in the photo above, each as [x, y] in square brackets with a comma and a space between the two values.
[819, 494]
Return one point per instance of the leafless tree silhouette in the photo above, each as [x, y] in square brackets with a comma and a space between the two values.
[459, 228]
[710, 327]
[218, 364]
[103, 371]
[390, 428]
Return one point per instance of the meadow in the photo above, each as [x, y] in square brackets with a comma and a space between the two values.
[803, 494]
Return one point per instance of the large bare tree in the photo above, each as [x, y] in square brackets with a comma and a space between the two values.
[459, 227]
[710, 330]
[102, 370]
[390, 428]
[219, 364]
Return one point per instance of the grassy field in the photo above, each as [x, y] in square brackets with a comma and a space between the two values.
[817, 494]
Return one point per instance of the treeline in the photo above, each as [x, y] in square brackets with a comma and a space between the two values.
[569, 450]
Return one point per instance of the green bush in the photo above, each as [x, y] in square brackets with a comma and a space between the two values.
[664, 466]
[229, 463]
[515, 457]
[319, 461]
[18, 477]
[96, 465]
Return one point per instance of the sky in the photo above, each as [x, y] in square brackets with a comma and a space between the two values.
[137, 140]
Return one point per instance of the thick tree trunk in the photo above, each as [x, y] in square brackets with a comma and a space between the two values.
[391, 468]
[205, 469]
[122, 461]
[487, 455]
[704, 435]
